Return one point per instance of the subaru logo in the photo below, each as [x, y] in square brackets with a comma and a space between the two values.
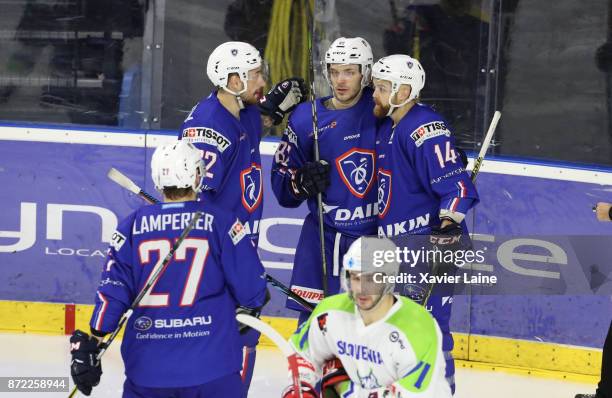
[143, 323]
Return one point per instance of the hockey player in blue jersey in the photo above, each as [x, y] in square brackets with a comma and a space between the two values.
[345, 175]
[226, 126]
[182, 340]
[423, 187]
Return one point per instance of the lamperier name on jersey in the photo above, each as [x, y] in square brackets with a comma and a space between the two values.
[175, 222]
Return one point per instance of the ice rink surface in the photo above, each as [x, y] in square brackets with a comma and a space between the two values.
[40, 355]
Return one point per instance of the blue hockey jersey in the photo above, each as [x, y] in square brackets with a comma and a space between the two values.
[347, 143]
[184, 332]
[420, 175]
[230, 150]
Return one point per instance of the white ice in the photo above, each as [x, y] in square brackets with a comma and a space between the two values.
[40, 355]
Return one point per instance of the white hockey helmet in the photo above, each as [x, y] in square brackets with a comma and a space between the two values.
[350, 51]
[232, 57]
[177, 165]
[400, 69]
[365, 255]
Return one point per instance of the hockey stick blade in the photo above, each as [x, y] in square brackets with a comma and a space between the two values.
[124, 181]
[485, 144]
[279, 341]
[292, 295]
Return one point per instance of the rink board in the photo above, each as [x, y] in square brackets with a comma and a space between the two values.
[60, 209]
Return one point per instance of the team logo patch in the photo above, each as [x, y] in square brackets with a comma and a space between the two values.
[237, 232]
[117, 240]
[368, 381]
[384, 192]
[250, 182]
[356, 168]
[143, 323]
[429, 130]
[208, 136]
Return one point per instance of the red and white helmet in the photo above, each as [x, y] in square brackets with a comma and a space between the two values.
[400, 69]
[350, 51]
[177, 165]
[232, 57]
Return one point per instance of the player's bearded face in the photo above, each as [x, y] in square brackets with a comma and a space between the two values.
[255, 87]
[365, 292]
[345, 81]
[382, 91]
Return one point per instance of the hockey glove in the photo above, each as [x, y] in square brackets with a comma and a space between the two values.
[307, 392]
[308, 379]
[310, 179]
[256, 312]
[462, 156]
[334, 379]
[85, 369]
[283, 98]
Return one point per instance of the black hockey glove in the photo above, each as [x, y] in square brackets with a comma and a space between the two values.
[85, 369]
[283, 98]
[310, 179]
[462, 156]
[242, 328]
[256, 312]
[447, 237]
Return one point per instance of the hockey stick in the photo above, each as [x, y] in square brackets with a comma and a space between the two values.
[485, 144]
[279, 341]
[124, 181]
[315, 131]
[128, 184]
[277, 284]
[152, 280]
[475, 170]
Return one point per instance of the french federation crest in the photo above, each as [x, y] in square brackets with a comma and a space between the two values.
[384, 192]
[250, 183]
[356, 168]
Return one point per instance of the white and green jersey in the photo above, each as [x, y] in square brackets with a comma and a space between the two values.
[400, 354]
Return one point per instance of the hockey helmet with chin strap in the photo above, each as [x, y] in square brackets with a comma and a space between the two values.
[232, 57]
[400, 69]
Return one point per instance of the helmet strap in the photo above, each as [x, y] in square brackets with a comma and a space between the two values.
[393, 106]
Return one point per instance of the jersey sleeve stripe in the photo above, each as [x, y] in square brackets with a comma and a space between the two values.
[101, 312]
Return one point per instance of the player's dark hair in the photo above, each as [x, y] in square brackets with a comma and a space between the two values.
[174, 193]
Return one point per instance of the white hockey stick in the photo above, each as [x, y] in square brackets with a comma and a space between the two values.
[485, 144]
[128, 184]
[279, 341]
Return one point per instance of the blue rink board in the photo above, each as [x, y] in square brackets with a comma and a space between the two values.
[40, 178]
